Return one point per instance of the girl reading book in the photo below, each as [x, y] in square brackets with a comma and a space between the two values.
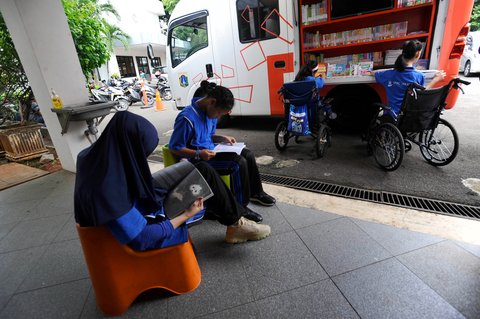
[194, 137]
[114, 187]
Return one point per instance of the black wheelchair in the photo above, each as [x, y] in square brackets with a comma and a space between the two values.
[419, 122]
[316, 114]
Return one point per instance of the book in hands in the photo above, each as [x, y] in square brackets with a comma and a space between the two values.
[229, 148]
[184, 184]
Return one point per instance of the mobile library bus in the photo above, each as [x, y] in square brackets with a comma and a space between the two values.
[254, 46]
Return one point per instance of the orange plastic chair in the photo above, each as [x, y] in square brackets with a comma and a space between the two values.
[119, 274]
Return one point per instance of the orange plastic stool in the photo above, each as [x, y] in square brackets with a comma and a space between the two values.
[119, 274]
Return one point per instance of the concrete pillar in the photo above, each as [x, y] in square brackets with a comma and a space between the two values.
[42, 38]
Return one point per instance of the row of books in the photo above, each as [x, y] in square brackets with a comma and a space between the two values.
[354, 58]
[333, 70]
[410, 3]
[355, 69]
[314, 13]
[377, 58]
[380, 32]
[317, 12]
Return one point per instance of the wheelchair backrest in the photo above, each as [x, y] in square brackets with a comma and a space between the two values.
[421, 108]
[299, 92]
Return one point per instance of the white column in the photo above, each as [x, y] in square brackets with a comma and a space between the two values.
[42, 38]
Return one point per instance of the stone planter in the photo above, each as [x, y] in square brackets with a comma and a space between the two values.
[21, 142]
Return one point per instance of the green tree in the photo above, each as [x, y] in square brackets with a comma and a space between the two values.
[114, 33]
[475, 18]
[14, 86]
[169, 5]
[88, 33]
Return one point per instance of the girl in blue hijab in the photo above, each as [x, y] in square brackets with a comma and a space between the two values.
[114, 187]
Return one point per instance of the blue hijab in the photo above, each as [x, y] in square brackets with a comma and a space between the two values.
[113, 174]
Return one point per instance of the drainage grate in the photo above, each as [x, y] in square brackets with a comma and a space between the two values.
[406, 201]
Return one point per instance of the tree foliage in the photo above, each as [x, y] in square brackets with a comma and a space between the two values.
[93, 37]
[475, 18]
[169, 5]
[14, 86]
[88, 33]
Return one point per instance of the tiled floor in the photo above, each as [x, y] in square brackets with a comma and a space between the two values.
[314, 265]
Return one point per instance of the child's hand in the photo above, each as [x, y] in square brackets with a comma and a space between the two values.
[207, 154]
[195, 208]
[229, 139]
[440, 75]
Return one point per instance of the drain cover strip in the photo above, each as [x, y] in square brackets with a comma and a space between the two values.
[406, 201]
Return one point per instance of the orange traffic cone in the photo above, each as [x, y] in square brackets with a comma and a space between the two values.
[158, 102]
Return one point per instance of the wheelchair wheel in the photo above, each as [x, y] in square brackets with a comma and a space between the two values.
[281, 136]
[387, 146]
[440, 146]
[322, 141]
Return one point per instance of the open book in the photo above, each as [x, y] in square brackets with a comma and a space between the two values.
[233, 148]
[184, 184]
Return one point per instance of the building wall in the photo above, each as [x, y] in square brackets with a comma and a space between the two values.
[140, 20]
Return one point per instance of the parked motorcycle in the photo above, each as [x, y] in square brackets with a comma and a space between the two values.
[134, 93]
[165, 91]
[109, 93]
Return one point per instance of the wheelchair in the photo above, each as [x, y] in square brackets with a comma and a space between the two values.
[306, 114]
[419, 123]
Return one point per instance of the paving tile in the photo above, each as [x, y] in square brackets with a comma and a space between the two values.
[246, 311]
[32, 233]
[16, 211]
[152, 304]
[318, 300]
[5, 229]
[35, 189]
[300, 217]
[68, 232]
[474, 249]
[15, 266]
[52, 205]
[396, 240]
[273, 217]
[387, 289]
[452, 272]
[224, 285]
[279, 263]
[62, 301]
[208, 235]
[62, 262]
[340, 245]
[3, 301]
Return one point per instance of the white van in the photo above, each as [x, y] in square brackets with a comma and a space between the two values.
[470, 61]
[252, 47]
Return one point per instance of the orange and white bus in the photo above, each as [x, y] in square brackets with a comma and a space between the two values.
[254, 46]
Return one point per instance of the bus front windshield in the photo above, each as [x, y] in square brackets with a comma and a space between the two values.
[186, 39]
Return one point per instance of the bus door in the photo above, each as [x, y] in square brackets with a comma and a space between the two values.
[263, 40]
[190, 52]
